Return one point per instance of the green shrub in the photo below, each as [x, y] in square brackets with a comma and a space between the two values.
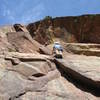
[48, 18]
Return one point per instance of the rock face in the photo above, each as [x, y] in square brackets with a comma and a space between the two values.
[25, 76]
[28, 70]
[22, 42]
[85, 49]
[84, 29]
[37, 77]
[83, 68]
[59, 89]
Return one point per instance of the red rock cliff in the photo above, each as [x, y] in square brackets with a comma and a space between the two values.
[84, 29]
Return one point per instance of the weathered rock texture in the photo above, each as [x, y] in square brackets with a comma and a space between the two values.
[36, 77]
[84, 29]
[83, 68]
[31, 74]
[85, 49]
[4, 44]
[22, 42]
[28, 70]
